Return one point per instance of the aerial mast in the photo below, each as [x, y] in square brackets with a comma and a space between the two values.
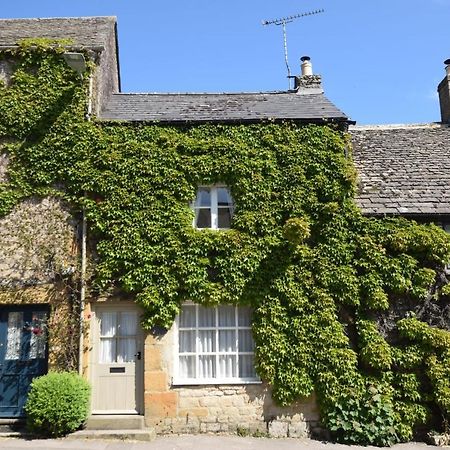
[283, 21]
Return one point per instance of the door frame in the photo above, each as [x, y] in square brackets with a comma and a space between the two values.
[139, 364]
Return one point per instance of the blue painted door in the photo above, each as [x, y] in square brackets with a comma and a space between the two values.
[23, 354]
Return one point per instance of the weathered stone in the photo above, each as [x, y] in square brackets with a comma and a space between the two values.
[156, 381]
[163, 404]
[278, 429]
[298, 430]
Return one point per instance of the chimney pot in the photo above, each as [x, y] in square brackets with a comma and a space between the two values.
[306, 65]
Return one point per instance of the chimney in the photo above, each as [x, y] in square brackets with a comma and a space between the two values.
[444, 94]
[307, 82]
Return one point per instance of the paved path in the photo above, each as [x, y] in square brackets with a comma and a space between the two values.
[202, 442]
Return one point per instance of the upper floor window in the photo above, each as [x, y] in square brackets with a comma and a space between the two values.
[213, 207]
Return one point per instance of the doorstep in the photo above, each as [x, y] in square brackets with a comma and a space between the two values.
[115, 422]
[124, 435]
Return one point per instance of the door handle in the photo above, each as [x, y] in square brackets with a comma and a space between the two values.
[138, 355]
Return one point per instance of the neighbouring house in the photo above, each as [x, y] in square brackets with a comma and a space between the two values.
[198, 376]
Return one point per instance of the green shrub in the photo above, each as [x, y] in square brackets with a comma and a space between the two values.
[58, 403]
[364, 417]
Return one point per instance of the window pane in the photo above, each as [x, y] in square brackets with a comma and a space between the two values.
[246, 366]
[206, 341]
[187, 366]
[203, 197]
[207, 367]
[206, 317]
[38, 335]
[127, 350]
[224, 218]
[187, 316]
[128, 324]
[187, 341]
[14, 337]
[224, 197]
[227, 366]
[107, 351]
[203, 218]
[108, 324]
[246, 341]
[227, 341]
[245, 316]
[227, 317]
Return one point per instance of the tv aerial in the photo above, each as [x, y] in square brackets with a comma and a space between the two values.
[283, 21]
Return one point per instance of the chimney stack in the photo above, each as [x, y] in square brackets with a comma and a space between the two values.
[307, 82]
[444, 94]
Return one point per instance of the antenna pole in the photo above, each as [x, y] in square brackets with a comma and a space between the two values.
[283, 21]
[286, 55]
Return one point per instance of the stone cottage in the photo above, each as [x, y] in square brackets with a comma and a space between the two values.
[198, 376]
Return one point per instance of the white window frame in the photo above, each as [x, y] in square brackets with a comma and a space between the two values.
[214, 206]
[178, 380]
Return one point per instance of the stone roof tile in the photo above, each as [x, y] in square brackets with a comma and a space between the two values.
[408, 165]
[239, 107]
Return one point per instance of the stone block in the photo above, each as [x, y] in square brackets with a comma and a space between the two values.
[298, 430]
[155, 382]
[161, 405]
[278, 429]
[213, 427]
[209, 401]
[239, 401]
[189, 402]
[152, 358]
[193, 412]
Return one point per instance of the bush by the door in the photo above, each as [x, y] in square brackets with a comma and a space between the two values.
[58, 403]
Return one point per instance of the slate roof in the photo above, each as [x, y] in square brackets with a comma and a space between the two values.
[83, 31]
[239, 107]
[403, 169]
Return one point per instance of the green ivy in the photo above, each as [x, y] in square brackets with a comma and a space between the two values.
[321, 278]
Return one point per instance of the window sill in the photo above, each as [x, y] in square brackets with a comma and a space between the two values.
[215, 381]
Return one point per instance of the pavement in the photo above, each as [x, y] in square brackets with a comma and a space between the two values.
[192, 442]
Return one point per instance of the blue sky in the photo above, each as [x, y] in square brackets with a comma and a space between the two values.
[380, 60]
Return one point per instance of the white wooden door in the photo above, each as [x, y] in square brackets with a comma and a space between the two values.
[117, 364]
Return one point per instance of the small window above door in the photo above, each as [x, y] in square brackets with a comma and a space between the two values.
[213, 207]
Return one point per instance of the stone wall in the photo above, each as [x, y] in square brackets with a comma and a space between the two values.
[247, 409]
[37, 243]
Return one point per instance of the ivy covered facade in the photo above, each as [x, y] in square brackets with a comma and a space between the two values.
[224, 279]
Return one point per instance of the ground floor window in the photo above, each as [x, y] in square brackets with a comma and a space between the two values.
[215, 345]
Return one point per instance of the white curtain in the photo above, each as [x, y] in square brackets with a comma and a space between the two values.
[187, 316]
[206, 341]
[14, 338]
[227, 341]
[127, 327]
[207, 367]
[227, 366]
[244, 316]
[227, 316]
[108, 321]
[38, 335]
[206, 317]
[246, 366]
[246, 341]
[187, 341]
[127, 350]
[187, 366]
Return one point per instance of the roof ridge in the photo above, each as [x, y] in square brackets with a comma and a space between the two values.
[213, 93]
[31, 19]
